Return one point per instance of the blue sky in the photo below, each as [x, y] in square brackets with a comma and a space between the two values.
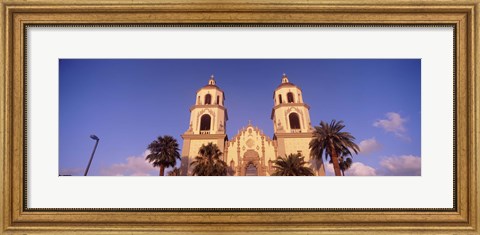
[127, 103]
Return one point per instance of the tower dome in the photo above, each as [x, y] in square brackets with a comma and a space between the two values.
[287, 92]
[210, 94]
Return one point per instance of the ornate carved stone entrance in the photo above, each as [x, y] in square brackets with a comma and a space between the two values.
[251, 164]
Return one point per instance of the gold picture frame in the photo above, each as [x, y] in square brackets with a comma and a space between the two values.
[15, 218]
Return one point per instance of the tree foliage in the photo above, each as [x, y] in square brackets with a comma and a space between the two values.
[209, 162]
[174, 172]
[329, 141]
[291, 165]
[163, 153]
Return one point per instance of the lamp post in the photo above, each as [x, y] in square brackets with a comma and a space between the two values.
[94, 137]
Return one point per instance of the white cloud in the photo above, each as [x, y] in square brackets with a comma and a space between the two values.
[369, 145]
[405, 165]
[357, 169]
[329, 169]
[360, 169]
[394, 123]
[134, 166]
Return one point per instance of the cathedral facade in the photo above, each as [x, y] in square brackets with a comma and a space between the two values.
[250, 152]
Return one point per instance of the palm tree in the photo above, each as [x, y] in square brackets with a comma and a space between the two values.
[291, 165]
[345, 164]
[174, 172]
[208, 162]
[163, 153]
[328, 139]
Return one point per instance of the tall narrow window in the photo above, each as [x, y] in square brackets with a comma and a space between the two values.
[290, 97]
[294, 121]
[208, 99]
[280, 99]
[198, 100]
[218, 99]
[205, 122]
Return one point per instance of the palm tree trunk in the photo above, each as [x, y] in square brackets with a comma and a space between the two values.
[336, 166]
[162, 171]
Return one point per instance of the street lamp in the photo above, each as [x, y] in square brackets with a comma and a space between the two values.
[94, 137]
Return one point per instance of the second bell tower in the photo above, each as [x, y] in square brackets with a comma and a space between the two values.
[291, 123]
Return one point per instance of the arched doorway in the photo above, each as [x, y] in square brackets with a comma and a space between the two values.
[251, 165]
[251, 170]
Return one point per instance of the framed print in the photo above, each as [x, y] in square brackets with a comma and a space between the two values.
[312, 116]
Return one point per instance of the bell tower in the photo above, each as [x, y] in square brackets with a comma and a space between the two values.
[208, 118]
[291, 123]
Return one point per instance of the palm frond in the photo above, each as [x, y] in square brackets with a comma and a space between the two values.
[291, 165]
[329, 140]
[208, 162]
[164, 152]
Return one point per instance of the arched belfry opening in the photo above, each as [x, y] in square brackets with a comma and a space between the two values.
[290, 97]
[205, 123]
[208, 99]
[294, 121]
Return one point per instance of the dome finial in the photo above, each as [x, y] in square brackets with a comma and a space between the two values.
[284, 78]
[212, 80]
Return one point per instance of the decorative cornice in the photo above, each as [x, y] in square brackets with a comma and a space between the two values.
[293, 135]
[203, 137]
[205, 106]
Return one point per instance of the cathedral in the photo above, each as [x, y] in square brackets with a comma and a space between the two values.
[250, 152]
